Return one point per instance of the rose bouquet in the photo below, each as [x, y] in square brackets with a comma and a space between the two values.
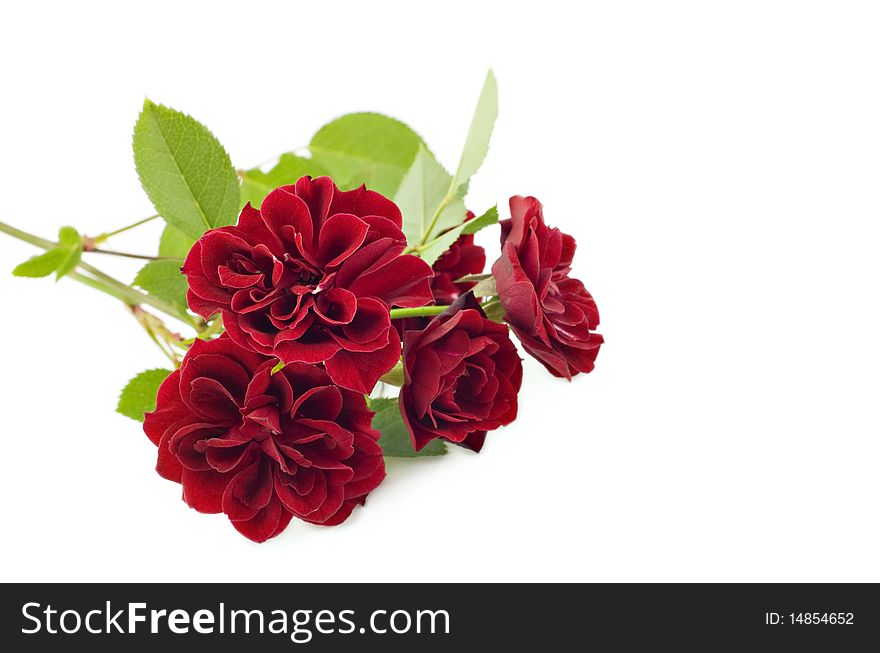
[310, 289]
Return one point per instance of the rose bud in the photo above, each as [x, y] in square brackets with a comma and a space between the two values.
[461, 377]
[310, 277]
[262, 447]
[462, 258]
[552, 314]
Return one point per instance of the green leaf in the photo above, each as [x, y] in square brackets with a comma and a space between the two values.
[490, 217]
[395, 440]
[41, 265]
[485, 284]
[485, 288]
[482, 276]
[494, 311]
[366, 148]
[476, 145]
[432, 201]
[61, 259]
[70, 242]
[431, 251]
[69, 238]
[184, 170]
[163, 279]
[174, 243]
[256, 184]
[139, 394]
[452, 215]
[422, 189]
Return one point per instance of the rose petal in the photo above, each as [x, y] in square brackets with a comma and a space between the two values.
[266, 523]
[361, 371]
[339, 238]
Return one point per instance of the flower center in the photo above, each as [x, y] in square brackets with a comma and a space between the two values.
[307, 278]
[261, 423]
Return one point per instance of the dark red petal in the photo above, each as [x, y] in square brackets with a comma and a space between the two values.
[522, 209]
[203, 490]
[340, 237]
[167, 464]
[213, 385]
[286, 215]
[315, 346]
[170, 408]
[217, 247]
[252, 228]
[403, 281]
[333, 501]
[249, 490]
[184, 442]
[286, 516]
[323, 402]
[371, 320]
[383, 228]
[367, 259]
[375, 474]
[361, 371]
[544, 354]
[424, 381]
[201, 306]
[247, 358]
[311, 498]
[266, 523]
[474, 441]
[317, 193]
[302, 377]
[213, 399]
[516, 292]
[362, 202]
[244, 338]
[336, 306]
[355, 415]
[343, 513]
[225, 455]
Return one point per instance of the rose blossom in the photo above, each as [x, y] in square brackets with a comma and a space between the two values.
[461, 377]
[552, 314]
[310, 277]
[263, 447]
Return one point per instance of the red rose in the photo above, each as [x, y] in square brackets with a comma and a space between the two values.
[461, 377]
[263, 447]
[310, 278]
[552, 314]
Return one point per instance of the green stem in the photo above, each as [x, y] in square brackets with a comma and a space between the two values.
[443, 203]
[105, 236]
[97, 285]
[121, 291]
[155, 328]
[213, 329]
[206, 331]
[400, 313]
[415, 249]
[424, 311]
[142, 257]
[135, 297]
[26, 237]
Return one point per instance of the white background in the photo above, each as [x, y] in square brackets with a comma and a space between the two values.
[718, 164]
